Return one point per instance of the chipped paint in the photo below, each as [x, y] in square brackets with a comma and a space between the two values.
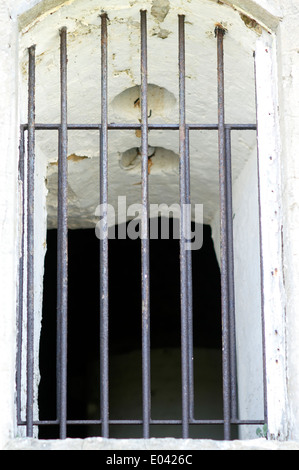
[160, 9]
[72, 158]
[251, 23]
[161, 33]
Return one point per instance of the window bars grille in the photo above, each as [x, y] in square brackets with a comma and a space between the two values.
[26, 293]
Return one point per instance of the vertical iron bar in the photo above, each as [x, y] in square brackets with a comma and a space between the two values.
[21, 275]
[223, 237]
[30, 242]
[189, 287]
[183, 252]
[146, 387]
[62, 261]
[231, 281]
[104, 300]
[58, 303]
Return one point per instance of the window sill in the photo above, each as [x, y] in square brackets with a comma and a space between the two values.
[147, 444]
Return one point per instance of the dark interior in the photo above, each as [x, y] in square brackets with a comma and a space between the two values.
[125, 318]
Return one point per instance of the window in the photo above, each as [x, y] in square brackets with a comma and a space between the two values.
[142, 159]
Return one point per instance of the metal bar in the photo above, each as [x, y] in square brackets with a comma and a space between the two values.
[79, 422]
[30, 242]
[183, 252]
[189, 288]
[146, 380]
[58, 299]
[21, 275]
[104, 299]
[223, 237]
[62, 252]
[241, 127]
[152, 126]
[231, 280]
[58, 302]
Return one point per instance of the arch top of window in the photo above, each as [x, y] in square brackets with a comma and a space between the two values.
[124, 73]
[267, 13]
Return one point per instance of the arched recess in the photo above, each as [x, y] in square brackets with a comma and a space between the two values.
[254, 16]
[264, 12]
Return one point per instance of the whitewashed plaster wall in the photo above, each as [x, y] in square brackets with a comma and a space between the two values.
[249, 341]
[288, 72]
[248, 302]
[281, 17]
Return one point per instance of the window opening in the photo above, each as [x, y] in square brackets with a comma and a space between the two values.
[125, 334]
[229, 376]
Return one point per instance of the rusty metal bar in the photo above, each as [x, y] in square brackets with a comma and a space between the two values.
[20, 314]
[145, 248]
[151, 126]
[189, 288]
[58, 303]
[30, 242]
[231, 280]
[192, 422]
[62, 252]
[104, 284]
[183, 252]
[223, 238]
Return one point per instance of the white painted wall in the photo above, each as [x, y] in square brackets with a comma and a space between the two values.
[248, 296]
[8, 218]
[288, 66]
[248, 302]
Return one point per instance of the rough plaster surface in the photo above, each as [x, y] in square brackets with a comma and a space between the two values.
[289, 86]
